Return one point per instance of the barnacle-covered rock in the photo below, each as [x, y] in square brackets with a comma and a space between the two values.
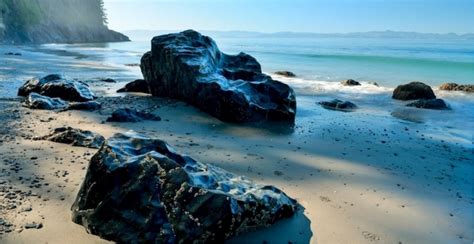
[190, 67]
[139, 190]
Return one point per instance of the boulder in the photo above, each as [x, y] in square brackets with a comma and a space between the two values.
[288, 74]
[136, 86]
[75, 137]
[36, 101]
[413, 91]
[429, 104]
[58, 86]
[139, 190]
[339, 105]
[189, 66]
[350, 82]
[131, 115]
[456, 87]
[90, 106]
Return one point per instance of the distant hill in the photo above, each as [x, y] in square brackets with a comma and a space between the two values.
[148, 34]
[55, 21]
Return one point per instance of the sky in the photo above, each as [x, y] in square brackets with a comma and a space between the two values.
[321, 16]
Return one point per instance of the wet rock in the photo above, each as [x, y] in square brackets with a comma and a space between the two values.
[288, 74]
[350, 82]
[190, 67]
[413, 91]
[131, 115]
[13, 54]
[74, 137]
[90, 106]
[36, 101]
[438, 104]
[58, 86]
[139, 189]
[339, 105]
[456, 87]
[108, 80]
[136, 86]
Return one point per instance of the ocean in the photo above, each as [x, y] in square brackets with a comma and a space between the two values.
[320, 65]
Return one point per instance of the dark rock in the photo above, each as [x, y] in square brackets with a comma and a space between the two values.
[108, 80]
[33, 226]
[429, 104]
[339, 105]
[90, 105]
[58, 86]
[190, 67]
[36, 101]
[374, 83]
[288, 74]
[456, 87]
[350, 82]
[13, 54]
[129, 115]
[74, 137]
[413, 91]
[136, 86]
[139, 190]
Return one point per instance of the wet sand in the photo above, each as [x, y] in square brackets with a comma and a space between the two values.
[361, 177]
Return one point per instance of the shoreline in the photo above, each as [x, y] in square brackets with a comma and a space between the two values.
[361, 177]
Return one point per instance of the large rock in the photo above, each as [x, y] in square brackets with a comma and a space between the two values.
[58, 86]
[139, 190]
[336, 104]
[190, 67]
[74, 137]
[413, 91]
[131, 115]
[136, 86]
[36, 101]
[456, 87]
[438, 104]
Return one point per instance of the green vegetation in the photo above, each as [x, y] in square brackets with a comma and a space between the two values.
[21, 14]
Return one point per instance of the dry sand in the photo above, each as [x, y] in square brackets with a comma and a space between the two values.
[360, 177]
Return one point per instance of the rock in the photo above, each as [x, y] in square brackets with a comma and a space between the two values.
[429, 104]
[90, 106]
[13, 54]
[139, 190]
[74, 137]
[350, 82]
[136, 86]
[413, 91]
[58, 86]
[288, 74]
[36, 101]
[189, 66]
[129, 115]
[33, 225]
[456, 87]
[374, 83]
[339, 105]
[108, 80]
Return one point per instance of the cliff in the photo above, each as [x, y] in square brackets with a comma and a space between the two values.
[55, 21]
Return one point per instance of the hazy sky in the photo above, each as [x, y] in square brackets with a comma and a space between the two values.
[438, 16]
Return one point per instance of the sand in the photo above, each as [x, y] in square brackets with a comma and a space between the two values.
[360, 177]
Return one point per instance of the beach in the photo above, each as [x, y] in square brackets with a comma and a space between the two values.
[361, 177]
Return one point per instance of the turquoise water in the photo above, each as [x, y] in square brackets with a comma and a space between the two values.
[389, 62]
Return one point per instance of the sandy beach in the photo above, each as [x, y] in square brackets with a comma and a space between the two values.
[362, 177]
